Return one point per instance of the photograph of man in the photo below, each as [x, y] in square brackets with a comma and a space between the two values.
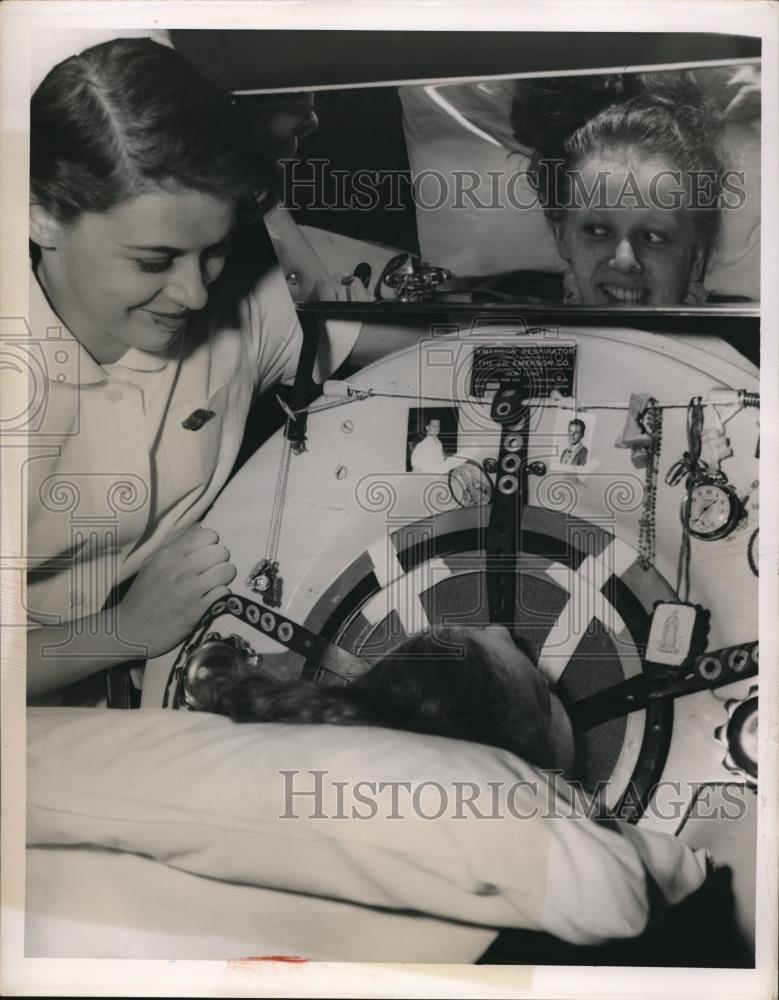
[428, 455]
[431, 440]
[576, 453]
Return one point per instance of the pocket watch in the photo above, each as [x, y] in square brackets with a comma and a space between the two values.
[469, 484]
[710, 509]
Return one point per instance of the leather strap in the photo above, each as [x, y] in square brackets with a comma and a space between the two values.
[340, 662]
[504, 532]
[706, 672]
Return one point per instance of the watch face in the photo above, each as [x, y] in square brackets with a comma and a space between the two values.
[710, 510]
[470, 485]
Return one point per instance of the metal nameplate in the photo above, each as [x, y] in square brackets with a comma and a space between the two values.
[545, 367]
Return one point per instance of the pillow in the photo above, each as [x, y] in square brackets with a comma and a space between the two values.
[370, 816]
[454, 230]
[734, 268]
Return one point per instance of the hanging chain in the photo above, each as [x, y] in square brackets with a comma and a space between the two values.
[646, 536]
[691, 465]
[264, 579]
[683, 568]
[279, 498]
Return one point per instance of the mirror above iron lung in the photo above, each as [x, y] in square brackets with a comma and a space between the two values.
[481, 149]
[441, 168]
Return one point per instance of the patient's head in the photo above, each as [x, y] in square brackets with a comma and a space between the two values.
[474, 684]
[628, 172]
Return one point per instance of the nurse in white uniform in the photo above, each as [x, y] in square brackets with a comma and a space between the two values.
[151, 351]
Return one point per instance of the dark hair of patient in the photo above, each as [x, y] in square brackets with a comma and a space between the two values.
[665, 114]
[131, 115]
[440, 683]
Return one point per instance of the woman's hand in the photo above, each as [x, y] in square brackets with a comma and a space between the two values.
[161, 608]
[173, 590]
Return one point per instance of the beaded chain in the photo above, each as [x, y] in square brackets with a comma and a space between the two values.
[646, 536]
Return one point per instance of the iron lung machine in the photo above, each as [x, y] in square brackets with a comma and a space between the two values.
[608, 475]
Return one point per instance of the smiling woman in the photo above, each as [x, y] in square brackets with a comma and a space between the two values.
[629, 174]
[629, 249]
[130, 276]
[141, 172]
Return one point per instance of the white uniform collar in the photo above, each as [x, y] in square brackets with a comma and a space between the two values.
[140, 361]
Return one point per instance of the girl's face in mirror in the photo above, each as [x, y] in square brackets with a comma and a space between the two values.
[131, 276]
[628, 237]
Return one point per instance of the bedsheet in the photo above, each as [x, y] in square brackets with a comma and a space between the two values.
[87, 902]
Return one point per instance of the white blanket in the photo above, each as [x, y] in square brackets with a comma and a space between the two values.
[201, 795]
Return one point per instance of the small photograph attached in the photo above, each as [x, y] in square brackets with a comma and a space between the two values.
[431, 441]
[575, 437]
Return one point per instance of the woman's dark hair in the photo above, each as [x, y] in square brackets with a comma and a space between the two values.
[130, 115]
[562, 121]
[441, 683]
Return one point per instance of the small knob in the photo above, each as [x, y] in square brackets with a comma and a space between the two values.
[508, 404]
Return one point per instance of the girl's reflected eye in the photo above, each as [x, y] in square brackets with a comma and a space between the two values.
[655, 238]
[154, 266]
